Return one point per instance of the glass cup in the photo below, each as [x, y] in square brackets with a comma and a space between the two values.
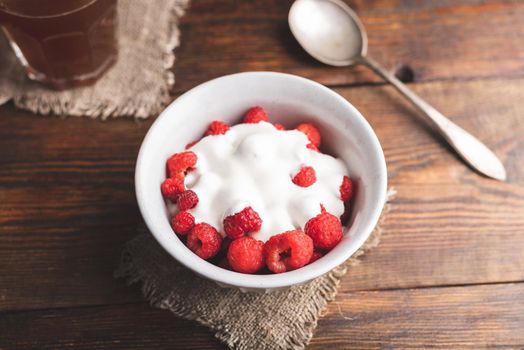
[62, 43]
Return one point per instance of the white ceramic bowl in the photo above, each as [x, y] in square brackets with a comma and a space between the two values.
[288, 99]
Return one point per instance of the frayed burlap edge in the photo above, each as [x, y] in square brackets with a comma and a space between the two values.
[103, 108]
[323, 290]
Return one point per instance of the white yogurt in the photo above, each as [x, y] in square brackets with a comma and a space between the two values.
[252, 165]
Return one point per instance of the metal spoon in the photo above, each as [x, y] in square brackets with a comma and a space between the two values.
[332, 33]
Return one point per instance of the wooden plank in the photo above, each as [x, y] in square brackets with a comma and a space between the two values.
[67, 203]
[435, 39]
[129, 326]
[475, 317]
[490, 316]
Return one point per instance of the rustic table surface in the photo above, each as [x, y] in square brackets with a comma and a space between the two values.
[449, 272]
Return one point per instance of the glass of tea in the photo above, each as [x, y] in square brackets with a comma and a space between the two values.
[62, 43]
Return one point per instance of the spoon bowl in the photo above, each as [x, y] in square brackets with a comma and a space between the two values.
[330, 31]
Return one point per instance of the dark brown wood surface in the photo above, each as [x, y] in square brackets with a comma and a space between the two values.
[449, 271]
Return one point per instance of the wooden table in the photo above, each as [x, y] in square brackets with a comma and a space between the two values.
[449, 272]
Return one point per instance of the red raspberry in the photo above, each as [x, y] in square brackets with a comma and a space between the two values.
[312, 147]
[172, 187]
[182, 222]
[279, 126]
[311, 132]
[191, 144]
[245, 221]
[204, 240]
[180, 162]
[325, 230]
[316, 255]
[288, 251]
[255, 115]
[346, 189]
[246, 255]
[217, 128]
[187, 200]
[305, 177]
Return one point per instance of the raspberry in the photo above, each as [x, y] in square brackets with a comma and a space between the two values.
[255, 115]
[245, 221]
[288, 251]
[325, 230]
[180, 162]
[316, 255]
[217, 128]
[346, 189]
[172, 187]
[305, 177]
[311, 132]
[246, 255]
[312, 147]
[191, 144]
[182, 222]
[279, 126]
[204, 240]
[187, 200]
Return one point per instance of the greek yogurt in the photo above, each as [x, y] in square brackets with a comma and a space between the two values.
[253, 165]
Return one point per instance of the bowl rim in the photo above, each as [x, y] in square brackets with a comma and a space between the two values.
[248, 281]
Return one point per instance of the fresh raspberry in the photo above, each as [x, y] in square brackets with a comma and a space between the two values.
[245, 221]
[191, 144]
[279, 126]
[182, 222]
[288, 251]
[312, 147]
[187, 200]
[217, 128]
[204, 240]
[316, 255]
[346, 189]
[255, 115]
[325, 230]
[246, 255]
[180, 162]
[232, 228]
[305, 177]
[311, 132]
[172, 187]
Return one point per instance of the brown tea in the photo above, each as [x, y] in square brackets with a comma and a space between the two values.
[62, 42]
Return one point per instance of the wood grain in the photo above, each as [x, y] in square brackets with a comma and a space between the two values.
[444, 318]
[67, 201]
[490, 316]
[435, 39]
[67, 206]
[128, 326]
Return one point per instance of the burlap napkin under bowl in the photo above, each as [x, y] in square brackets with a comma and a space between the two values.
[280, 320]
[137, 85]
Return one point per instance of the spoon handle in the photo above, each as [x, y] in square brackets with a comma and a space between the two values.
[474, 152]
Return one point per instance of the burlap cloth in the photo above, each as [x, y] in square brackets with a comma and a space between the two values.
[137, 85]
[279, 320]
